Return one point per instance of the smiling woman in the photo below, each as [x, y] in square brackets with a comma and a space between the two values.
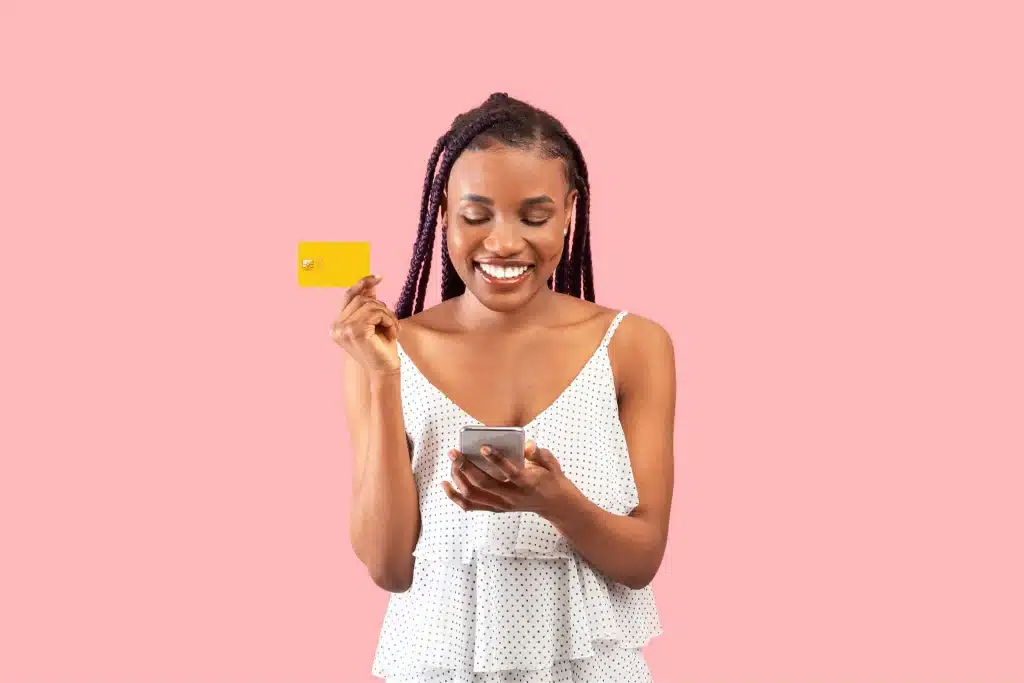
[541, 574]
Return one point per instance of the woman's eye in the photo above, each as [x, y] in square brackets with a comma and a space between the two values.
[475, 221]
[535, 223]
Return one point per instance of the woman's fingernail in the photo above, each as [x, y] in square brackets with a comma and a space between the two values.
[451, 455]
[485, 450]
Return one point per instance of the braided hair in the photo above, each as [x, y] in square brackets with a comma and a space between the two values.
[513, 123]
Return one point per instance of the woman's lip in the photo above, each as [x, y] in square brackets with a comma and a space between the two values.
[505, 264]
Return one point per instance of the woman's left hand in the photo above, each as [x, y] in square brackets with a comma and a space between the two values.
[535, 487]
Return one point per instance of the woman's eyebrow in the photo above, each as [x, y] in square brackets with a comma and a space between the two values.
[543, 199]
[529, 201]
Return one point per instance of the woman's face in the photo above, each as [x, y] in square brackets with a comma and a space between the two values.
[507, 212]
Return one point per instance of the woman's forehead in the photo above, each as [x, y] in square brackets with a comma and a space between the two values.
[506, 173]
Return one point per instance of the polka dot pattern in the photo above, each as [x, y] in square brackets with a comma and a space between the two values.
[612, 664]
[502, 597]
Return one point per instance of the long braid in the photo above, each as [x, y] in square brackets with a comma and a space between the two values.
[580, 267]
[578, 237]
[587, 267]
[424, 234]
[428, 228]
[562, 271]
[428, 259]
[451, 284]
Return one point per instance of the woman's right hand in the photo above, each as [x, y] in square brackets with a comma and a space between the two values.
[367, 329]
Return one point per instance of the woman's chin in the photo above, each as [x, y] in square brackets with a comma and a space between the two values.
[503, 301]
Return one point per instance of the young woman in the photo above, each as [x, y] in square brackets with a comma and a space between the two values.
[541, 574]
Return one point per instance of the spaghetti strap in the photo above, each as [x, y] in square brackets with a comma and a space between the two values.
[611, 329]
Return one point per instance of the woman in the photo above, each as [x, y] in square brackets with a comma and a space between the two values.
[541, 574]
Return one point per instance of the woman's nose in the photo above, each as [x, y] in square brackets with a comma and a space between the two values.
[505, 238]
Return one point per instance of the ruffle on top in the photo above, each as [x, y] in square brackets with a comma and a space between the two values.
[503, 613]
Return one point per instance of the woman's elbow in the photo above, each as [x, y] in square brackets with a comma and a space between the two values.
[642, 576]
[392, 574]
[391, 579]
[638, 582]
[389, 568]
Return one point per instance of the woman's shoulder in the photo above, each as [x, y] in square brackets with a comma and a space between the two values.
[639, 329]
[641, 345]
[634, 332]
[425, 327]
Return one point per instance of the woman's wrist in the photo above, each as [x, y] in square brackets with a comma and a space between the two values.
[385, 380]
[567, 505]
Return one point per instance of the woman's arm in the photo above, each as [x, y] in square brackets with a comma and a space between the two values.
[629, 549]
[385, 519]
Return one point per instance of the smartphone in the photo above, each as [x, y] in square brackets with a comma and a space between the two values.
[507, 442]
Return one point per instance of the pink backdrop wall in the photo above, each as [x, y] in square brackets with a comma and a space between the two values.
[823, 204]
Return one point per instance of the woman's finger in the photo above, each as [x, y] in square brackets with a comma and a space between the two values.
[477, 476]
[507, 467]
[373, 314]
[372, 307]
[352, 304]
[359, 300]
[480, 477]
[456, 497]
[530, 449]
[477, 495]
[462, 501]
[544, 458]
[380, 316]
[365, 285]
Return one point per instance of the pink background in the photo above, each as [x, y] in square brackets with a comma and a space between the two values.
[822, 203]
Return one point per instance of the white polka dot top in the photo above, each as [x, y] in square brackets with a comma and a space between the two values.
[502, 597]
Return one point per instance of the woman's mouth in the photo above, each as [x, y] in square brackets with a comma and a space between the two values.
[496, 274]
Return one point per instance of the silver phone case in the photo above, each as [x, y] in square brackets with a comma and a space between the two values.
[509, 442]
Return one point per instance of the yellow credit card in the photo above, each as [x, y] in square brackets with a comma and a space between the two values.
[333, 264]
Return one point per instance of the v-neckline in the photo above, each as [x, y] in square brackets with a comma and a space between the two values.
[536, 418]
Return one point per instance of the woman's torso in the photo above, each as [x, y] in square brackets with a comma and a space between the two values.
[505, 591]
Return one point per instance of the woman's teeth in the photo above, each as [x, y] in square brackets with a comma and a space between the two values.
[503, 272]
